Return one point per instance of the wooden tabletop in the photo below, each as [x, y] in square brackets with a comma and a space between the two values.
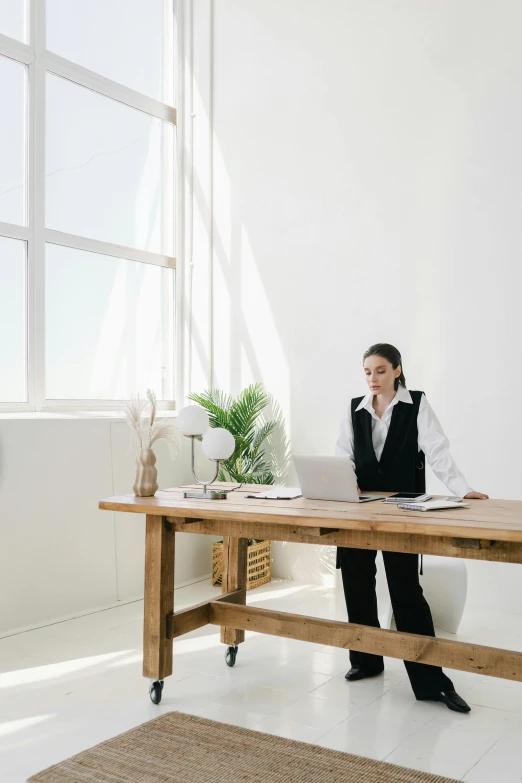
[499, 520]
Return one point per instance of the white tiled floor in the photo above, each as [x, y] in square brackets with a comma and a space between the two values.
[68, 686]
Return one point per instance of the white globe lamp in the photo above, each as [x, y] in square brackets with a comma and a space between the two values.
[192, 421]
[218, 445]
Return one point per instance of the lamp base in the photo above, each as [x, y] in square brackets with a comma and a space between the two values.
[209, 494]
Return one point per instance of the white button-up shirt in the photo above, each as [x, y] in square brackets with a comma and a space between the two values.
[431, 439]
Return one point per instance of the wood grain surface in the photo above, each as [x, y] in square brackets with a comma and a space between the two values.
[159, 597]
[463, 656]
[499, 520]
[235, 555]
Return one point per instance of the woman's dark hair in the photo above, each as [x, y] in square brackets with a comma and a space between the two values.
[390, 353]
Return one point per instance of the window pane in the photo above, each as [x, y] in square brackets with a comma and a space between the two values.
[12, 141]
[12, 19]
[109, 169]
[109, 326]
[12, 321]
[129, 41]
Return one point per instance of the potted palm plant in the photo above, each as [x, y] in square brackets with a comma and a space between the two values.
[243, 417]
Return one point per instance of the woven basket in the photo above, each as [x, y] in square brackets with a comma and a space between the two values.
[258, 564]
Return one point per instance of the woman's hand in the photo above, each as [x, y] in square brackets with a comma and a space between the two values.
[358, 490]
[477, 495]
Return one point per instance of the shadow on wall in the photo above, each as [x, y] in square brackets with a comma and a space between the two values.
[277, 450]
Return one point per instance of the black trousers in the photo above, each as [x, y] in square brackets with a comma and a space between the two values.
[411, 610]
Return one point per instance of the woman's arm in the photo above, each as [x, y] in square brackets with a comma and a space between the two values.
[435, 445]
[344, 445]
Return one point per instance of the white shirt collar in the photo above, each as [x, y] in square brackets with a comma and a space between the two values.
[402, 395]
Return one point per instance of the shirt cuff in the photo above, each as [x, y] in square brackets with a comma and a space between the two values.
[459, 487]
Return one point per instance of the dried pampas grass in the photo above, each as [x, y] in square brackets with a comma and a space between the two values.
[146, 428]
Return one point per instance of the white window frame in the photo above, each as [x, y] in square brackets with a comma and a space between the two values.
[40, 62]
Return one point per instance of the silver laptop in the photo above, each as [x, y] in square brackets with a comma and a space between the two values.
[329, 478]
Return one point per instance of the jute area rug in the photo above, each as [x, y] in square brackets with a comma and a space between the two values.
[178, 748]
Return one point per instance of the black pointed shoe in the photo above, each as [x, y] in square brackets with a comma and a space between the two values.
[453, 701]
[360, 673]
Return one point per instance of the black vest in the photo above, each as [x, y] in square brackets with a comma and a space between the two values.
[401, 467]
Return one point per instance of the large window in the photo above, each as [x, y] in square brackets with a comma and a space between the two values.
[87, 202]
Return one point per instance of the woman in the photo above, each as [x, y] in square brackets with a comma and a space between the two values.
[388, 435]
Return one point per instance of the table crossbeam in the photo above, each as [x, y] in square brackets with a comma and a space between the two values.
[492, 661]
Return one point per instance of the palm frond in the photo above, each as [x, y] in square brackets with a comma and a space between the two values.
[245, 410]
[215, 397]
[220, 398]
[263, 433]
[263, 478]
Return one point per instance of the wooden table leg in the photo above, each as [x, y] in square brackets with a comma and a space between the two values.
[234, 578]
[159, 597]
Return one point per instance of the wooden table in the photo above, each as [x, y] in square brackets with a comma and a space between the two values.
[488, 530]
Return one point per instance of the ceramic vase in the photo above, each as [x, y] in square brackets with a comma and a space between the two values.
[146, 482]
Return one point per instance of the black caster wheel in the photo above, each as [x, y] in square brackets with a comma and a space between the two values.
[231, 655]
[156, 691]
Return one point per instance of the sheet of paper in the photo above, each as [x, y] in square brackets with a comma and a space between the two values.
[279, 493]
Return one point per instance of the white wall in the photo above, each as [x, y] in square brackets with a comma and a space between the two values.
[367, 187]
[59, 554]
